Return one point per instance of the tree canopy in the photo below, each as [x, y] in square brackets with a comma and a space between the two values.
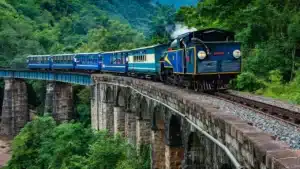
[44, 144]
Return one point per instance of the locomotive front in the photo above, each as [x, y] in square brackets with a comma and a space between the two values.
[204, 60]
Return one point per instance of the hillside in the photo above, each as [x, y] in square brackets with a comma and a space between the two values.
[179, 3]
[54, 26]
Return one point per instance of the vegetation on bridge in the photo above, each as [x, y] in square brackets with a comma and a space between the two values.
[43, 144]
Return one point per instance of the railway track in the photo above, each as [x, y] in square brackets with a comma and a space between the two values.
[279, 113]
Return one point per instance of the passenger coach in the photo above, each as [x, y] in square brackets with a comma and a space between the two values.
[88, 61]
[145, 61]
[115, 62]
[63, 61]
[39, 62]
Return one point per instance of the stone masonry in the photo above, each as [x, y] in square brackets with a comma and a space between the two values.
[252, 148]
[14, 110]
[157, 142]
[119, 120]
[62, 102]
[49, 97]
[143, 132]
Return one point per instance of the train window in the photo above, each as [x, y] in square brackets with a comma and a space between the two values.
[94, 58]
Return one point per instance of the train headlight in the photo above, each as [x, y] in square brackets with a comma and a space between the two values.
[201, 55]
[237, 54]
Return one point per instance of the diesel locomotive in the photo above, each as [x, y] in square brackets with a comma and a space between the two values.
[203, 60]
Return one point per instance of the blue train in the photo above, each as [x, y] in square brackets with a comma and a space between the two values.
[203, 60]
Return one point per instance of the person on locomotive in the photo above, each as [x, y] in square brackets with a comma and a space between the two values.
[205, 59]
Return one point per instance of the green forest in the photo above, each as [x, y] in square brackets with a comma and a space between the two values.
[268, 30]
[44, 144]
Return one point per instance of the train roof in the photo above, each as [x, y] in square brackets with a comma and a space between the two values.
[208, 32]
[117, 51]
[37, 55]
[146, 47]
[65, 54]
[88, 53]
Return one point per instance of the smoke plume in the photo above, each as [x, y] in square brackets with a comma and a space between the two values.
[181, 29]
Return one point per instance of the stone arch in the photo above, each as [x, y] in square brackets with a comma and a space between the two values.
[109, 95]
[158, 116]
[158, 134]
[134, 103]
[128, 100]
[174, 151]
[143, 111]
[174, 132]
[121, 98]
[195, 152]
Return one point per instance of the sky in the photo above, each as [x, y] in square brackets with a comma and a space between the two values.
[179, 3]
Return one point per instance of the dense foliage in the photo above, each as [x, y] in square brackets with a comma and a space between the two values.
[270, 34]
[63, 26]
[56, 26]
[43, 144]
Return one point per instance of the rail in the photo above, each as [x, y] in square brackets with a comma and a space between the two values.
[279, 113]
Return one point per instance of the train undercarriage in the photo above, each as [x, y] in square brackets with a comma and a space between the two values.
[199, 82]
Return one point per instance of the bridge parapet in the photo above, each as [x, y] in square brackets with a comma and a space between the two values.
[66, 77]
[181, 125]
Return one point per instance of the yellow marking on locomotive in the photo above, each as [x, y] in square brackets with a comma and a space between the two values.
[167, 60]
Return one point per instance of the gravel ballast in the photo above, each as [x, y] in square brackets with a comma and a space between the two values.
[284, 131]
[267, 100]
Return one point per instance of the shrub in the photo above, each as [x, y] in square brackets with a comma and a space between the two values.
[248, 81]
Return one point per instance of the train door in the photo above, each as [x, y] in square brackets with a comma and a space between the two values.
[125, 61]
[184, 56]
[190, 60]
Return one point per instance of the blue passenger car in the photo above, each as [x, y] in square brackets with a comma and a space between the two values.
[39, 62]
[146, 60]
[88, 61]
[116, 62]
[63, 61]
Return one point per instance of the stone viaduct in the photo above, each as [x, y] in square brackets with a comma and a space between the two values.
[183, 131]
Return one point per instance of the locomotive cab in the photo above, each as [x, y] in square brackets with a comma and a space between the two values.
[204, 57]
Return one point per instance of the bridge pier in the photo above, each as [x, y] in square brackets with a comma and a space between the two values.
[49, 97]
[62, 102]
[174, 150]
[108, 117]
[131, 128]
[15, 107]
[143, 132]
[130, 123]
[119, 120]
[94, 108]
[158, 146]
